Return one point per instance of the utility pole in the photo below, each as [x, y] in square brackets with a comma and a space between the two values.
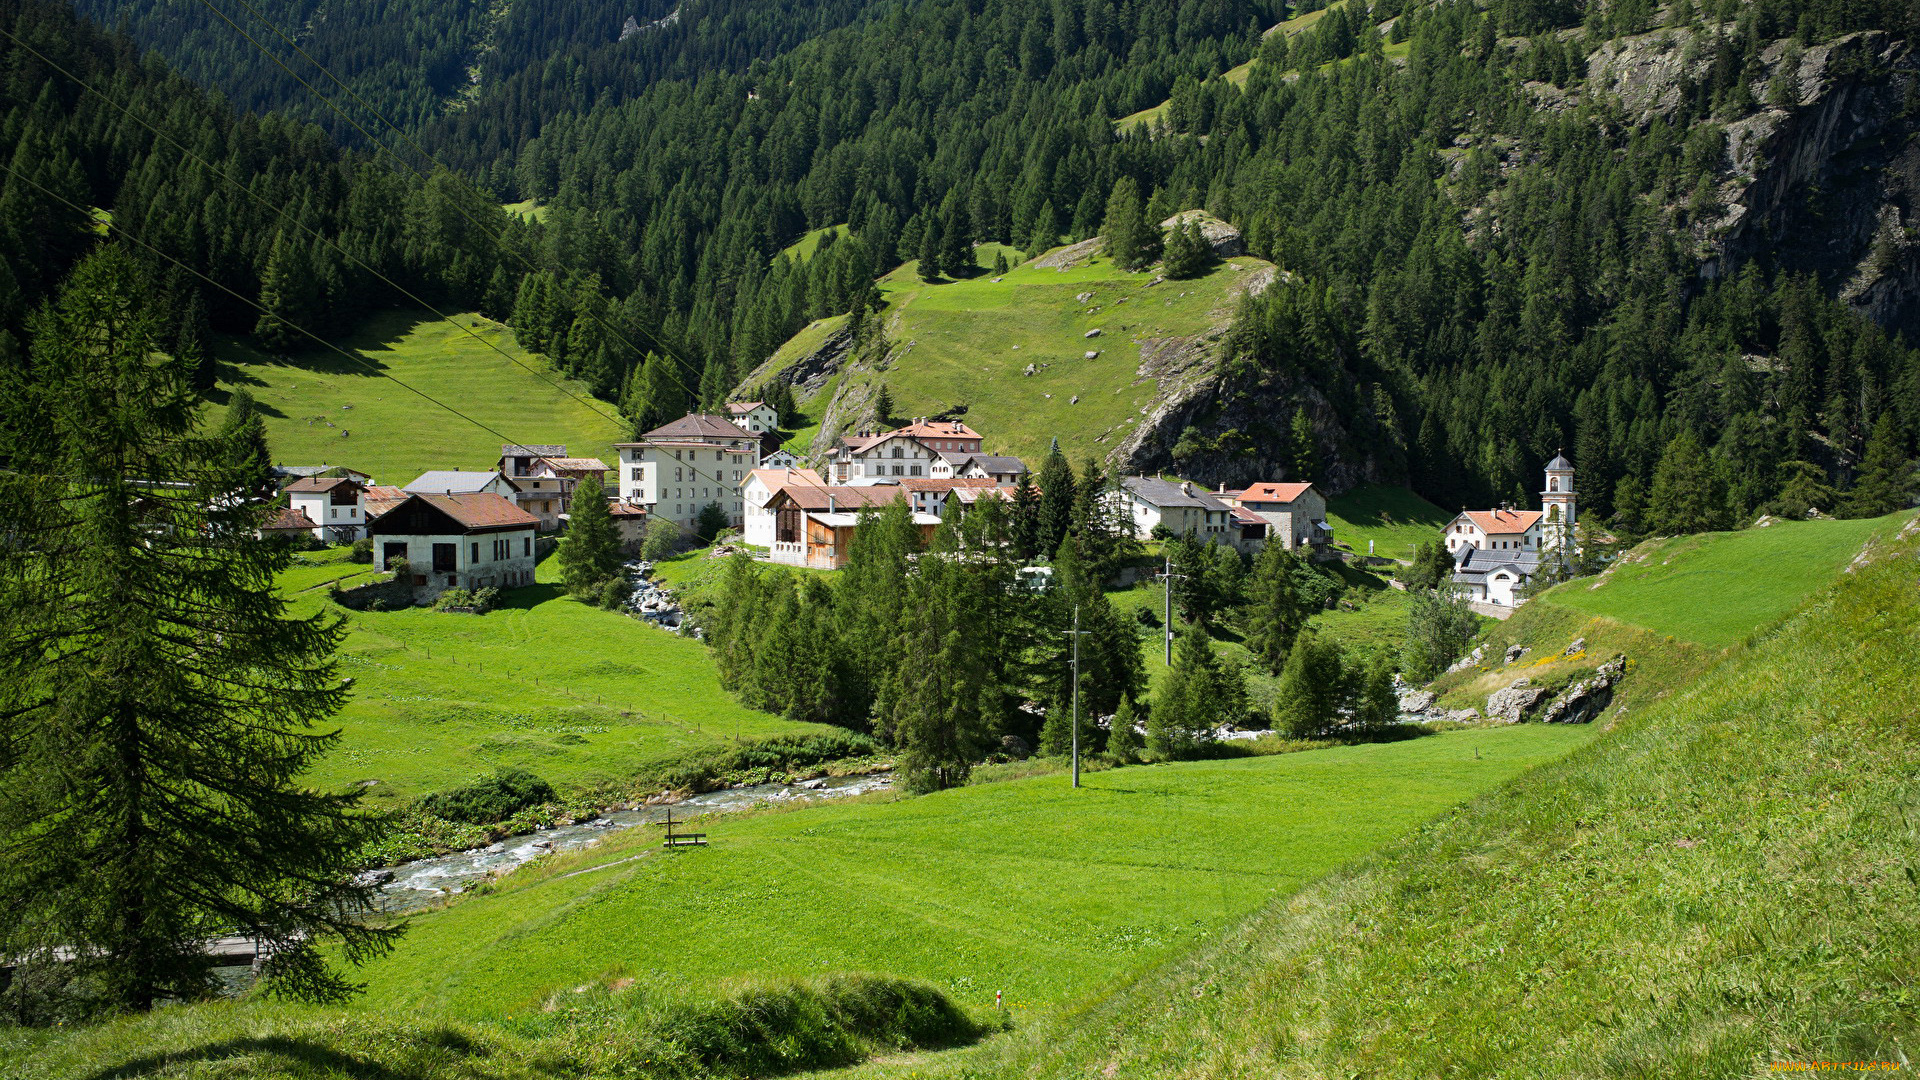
[1075, 635]
[1166, 620]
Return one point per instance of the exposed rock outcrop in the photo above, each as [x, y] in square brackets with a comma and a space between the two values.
[1585, 700]
[1511, 705]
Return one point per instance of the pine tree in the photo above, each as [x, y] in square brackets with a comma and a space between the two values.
[936, 706]
[1187, 250]
[1312, 689]
[872, 594]
[287, 292]
[1886, 482]
[1277, 609]
[589, 553]
[1688, 494]
[1188, 705]
[883, 406]
[1377, 705]
[932, 242]
[1131, 240]
[1123, 739]
[159, 701]
[1025, 524]
[1305, 448]
[1056, 733]
[1057, 493]
[655, 394]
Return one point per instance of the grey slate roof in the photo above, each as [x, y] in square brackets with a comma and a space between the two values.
[997, 463]
[1164, 494]
[450, 482]
[1478, 562]
[1559, 463]
[534, 450]
[699, 425]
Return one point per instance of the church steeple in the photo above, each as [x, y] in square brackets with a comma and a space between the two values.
[1559, 509]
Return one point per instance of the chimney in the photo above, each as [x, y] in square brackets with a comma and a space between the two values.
[833, 504]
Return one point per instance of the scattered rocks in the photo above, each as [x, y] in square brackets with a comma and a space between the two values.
[1030, 370]
[1095, 332]
[1579, 646]
[1586, 699]
[1472, 659]
[1092, 354]
[1510, 706]
[1515, 652]
[1417, 701]
[1075, 400]
[1015, 747]
[373, 877]
[1083, 297]
[1157, 279]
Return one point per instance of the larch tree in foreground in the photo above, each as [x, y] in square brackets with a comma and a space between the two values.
[160, 706]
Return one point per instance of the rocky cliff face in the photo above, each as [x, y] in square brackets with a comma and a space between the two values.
[1823, 177]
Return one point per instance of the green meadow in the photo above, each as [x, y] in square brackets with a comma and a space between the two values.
[578, 695]
[1716, 588]
[322, 408]
[1026, 887]
[968, 342]
[1393, 519]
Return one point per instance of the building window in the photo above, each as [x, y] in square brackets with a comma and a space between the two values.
[526, 545]
[476, 551]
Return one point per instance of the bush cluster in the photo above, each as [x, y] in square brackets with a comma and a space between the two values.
[477, 602]
[495, 798]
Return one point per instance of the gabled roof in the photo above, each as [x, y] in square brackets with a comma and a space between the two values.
[946, 483]
[1502, 522]
[860, 444]
[1247, 517]
[480, 510]
[287, 518]
[533, 450]
[577, 464]
[381, 498]
[698, 425]
[975, 494]
[1478, 562]
[742, 408]
[937, 429]
[993, 463]
[320, 483]
[775, 479]
[454, 482]
[1274, 492]
[1163, 494]
[834, 498]
[626, 510]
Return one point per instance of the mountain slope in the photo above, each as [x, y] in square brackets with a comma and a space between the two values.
[1723, 881]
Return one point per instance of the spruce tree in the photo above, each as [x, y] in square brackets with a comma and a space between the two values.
[589, 553]
[1276, 608]
[1187, 250]
[1886, 481]
[931, 244]
[1305, 449]
[1312, 688]
[1187, 707]
[870, 605]
[883, 407]
[936, 706]
[1025, 524]
[287, 291]
[1123, 739]
[1131, 240]
[1057, 493]
[160, 703]
[1688, 495]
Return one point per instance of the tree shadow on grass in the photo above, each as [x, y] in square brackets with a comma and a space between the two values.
[294, 1052]
[528, 597]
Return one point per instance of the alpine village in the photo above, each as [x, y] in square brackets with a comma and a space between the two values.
[959, 539]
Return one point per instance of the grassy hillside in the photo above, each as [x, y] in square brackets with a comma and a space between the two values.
[1723, 882]
[323, 409]
[574, 693]
[1025, 886]
[1716, 588]
[1393, 518]
[1236, 75]
[969, 343]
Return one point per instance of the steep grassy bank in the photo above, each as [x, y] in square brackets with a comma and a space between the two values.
[1725, 881]
[324, 409]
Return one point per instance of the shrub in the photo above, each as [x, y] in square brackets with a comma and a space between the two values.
[361, 551]
[663, 537]
[495, 798]
[472, 603]
[613, 593]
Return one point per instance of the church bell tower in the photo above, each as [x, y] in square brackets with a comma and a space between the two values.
[1557, 506]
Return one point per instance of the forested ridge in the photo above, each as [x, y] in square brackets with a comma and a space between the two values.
[1488, 257]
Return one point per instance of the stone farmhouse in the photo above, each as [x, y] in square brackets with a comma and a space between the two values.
[474, 540]
[1496, 552]
[676, 469]
[1294, 514]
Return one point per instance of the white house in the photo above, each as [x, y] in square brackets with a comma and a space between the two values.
[780, 459]
[467, 541]
[930, 495]
[760, 488]
[1295, 514]
[336, 506]
[546, 477]
[678, 468]
[462, 482]
[875, 459]
[1495, 552]
[755, 417]
[1183, 508]
[1000, 468]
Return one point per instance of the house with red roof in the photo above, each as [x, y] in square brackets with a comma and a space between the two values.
[1496, 552]
[475, 540]
[1293, 514]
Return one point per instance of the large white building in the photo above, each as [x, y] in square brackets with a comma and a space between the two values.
[1496, 552]
[335, 505]
[678, 468]
[924, 449]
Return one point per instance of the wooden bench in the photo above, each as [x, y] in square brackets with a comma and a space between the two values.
[686, 839]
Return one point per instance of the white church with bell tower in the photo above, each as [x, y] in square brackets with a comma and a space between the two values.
[1557, 508]
[1496, 552]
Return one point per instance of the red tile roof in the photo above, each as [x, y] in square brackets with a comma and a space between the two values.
[1273, 492]
[287, 518]
[742, 408]
[482, 510]
[823, 498]
[937, 429]
[1503, 522]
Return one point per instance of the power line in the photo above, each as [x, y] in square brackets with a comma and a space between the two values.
[422, 151]
[120, 231]
[317, 235]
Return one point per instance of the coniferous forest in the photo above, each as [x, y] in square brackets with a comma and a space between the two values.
[1476, 281]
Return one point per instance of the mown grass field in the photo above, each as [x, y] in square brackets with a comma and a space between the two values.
[324, 409]
[1025, 887]
[578, 695]
[1716, 588]
[1394, 519]
[968, 342]
[1722, 882]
